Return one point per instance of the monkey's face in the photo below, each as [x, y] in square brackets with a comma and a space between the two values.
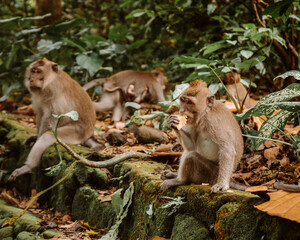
[35, 79]
[38, 74]
[231, 77]
[188, 107]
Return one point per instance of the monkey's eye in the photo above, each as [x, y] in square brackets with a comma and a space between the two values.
[38, 70]
[189, 102]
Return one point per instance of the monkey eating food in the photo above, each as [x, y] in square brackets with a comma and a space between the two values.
[211, 139]
[128, 85]
[54, 92]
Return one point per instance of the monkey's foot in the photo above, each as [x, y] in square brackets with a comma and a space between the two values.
[165, 185]
[167, 174]
[18, 172]
[219, 187]
[98, 147]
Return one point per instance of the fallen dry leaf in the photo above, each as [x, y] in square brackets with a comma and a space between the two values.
[271, 153]
[258, 121]
[257, 189]
[292, 130]
[282, 204]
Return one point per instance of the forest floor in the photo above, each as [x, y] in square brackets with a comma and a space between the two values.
[272, 162]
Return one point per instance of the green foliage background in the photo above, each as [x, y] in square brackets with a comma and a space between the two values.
[98, 38]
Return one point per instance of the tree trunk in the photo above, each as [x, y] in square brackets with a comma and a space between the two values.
[45, 6]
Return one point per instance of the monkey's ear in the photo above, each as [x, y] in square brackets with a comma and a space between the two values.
[210, 100]
[55, 67]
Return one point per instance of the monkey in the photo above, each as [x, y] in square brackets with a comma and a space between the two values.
[54, 92]
[212, 141]
[236, 89]
[130, 95]
[138, 86]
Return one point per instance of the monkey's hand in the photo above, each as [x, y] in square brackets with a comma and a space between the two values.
[167, 174]
[30, 140]
[18, 172]
[165, 185]
[219, 187]
[173, 121]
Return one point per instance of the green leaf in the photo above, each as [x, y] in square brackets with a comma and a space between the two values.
[116, 200]
[272, 125]
[263, 106]
[137, 44]
[215, 47]
[292, 73]
[179, 89]
[113, 50]
[140, 12]
[46, 46]
[72, 114]
[186, 59]
[246, 54]
[278, 9]
[288, 106]
[91, 63]
[127, 200]
[63, 26]
[118, 32]
[250, 63]
[133, 105]
[74, 44]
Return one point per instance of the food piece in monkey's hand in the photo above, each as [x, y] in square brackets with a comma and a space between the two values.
[182, 119]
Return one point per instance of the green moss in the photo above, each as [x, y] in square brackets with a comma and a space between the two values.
[87, 207]
[6, 232]
[51, 234]
[196, 230]
[26, 236]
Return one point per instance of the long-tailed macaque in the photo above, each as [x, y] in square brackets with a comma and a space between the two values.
[55, 92]
[237, 89]
[133, 85]
[211, 139]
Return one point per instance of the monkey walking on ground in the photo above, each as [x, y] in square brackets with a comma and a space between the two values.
[55, 92]
[128, 85]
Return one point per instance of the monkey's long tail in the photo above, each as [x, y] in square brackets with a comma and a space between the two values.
[114, 160]
[93, 83]
[106, 163]
[238, 186]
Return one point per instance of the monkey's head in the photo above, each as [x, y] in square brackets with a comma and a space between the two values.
[160, 77]
[39, 74]
[232, 77]
[196, 100]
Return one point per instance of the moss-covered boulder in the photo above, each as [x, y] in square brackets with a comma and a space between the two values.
[26, 226]
[184, 212]
[87, 206]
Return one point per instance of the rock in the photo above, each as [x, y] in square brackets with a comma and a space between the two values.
[116, 139]
[26, 236]
[6, 232]
[196, 230]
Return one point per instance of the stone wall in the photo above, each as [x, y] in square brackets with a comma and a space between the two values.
[224, 215]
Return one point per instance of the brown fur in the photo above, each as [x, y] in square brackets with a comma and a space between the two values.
[236, 89]
[212, 140]
[148, 86]
[55, 92]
